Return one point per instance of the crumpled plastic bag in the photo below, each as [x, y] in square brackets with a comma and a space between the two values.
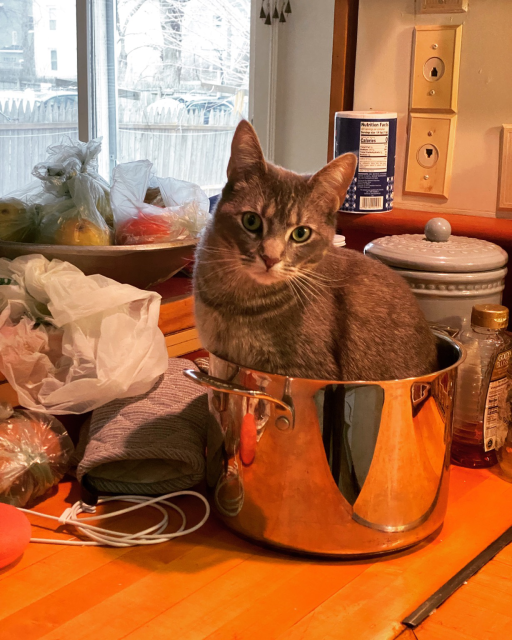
[69, 203]
[81, 212]
[70, 343]
[136, 222]
[35, 451]
[68, 160]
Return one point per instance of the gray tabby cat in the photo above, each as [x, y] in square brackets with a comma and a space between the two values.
[274, 294]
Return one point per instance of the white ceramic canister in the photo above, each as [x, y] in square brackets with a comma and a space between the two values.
[448, 274]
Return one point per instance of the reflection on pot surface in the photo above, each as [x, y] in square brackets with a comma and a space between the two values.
[331, 468]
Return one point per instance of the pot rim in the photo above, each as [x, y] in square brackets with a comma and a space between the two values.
[322, 383]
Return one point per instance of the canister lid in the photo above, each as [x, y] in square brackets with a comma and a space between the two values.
[491, 316]
[437, 250]
[367, 115]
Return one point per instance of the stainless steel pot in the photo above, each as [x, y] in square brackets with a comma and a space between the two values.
[327, 467]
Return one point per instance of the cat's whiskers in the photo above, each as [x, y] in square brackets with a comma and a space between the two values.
[306, 293]
[295, 293]
[315, 289]
[321, 276]
[230, 277]
[306, 289]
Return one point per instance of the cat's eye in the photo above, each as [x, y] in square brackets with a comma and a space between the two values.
[252, 221]
[301, 234]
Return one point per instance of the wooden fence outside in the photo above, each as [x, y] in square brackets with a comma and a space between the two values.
[177, 142]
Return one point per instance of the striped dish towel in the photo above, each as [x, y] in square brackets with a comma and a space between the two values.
[150, 444]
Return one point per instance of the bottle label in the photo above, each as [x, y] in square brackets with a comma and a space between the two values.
[496, 399]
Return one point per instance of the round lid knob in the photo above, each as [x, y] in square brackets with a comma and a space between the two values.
[438, 230]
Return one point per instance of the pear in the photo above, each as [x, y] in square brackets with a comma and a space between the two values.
[78, 231]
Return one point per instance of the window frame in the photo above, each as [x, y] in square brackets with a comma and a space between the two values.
[262, 77]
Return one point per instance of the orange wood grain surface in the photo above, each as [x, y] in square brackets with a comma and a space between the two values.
[214, 585]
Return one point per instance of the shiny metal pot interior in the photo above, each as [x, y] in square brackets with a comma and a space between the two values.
[331, 468]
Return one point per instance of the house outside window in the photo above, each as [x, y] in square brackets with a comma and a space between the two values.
[53, 18]
[53, 54]
[14, 38]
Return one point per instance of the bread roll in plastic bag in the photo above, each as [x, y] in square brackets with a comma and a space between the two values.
[137, 222]
[35, 451]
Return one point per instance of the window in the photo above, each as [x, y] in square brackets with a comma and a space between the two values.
[32, 117]
[53, 19]
[168, 82]
[171, 84]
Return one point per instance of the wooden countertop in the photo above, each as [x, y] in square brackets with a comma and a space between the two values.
[214, 585]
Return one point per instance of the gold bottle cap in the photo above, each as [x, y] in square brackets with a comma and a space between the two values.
[490, 316]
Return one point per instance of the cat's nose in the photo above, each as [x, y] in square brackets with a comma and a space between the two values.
[269, 262]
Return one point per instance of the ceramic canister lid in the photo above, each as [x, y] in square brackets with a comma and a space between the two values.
[438, 251]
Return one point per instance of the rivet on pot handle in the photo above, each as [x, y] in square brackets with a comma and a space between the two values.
[205, 380]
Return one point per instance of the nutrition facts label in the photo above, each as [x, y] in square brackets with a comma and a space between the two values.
[373, 147]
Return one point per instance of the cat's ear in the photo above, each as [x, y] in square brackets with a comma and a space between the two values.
[246, 153]
[333, 180]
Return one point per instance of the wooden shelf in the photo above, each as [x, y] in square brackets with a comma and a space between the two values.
[213, 585]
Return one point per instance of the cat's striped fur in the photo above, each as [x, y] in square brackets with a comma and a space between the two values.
[300, 309]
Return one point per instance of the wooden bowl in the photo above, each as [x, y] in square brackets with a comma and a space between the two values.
[141, 265]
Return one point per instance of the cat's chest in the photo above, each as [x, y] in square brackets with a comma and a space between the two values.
[247, 338]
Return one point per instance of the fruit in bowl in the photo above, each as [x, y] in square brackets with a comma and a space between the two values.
[144, 229]
[18, 221]
[78, 231]
[62, 223]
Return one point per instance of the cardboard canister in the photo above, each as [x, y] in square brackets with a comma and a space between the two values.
[371, 136]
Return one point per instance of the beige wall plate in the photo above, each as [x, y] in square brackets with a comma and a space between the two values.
[435, 75]
[430, 154]
[442, 6]
[505, 170]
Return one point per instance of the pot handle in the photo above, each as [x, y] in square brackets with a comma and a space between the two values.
[205, 380]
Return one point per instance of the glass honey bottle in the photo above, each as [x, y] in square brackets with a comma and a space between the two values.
[480, 421]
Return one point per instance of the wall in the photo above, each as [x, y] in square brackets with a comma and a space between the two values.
[304, 85]
[485, 92]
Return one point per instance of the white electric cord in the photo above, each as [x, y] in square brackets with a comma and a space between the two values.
[100, 537]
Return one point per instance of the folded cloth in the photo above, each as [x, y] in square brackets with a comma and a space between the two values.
[150, 444]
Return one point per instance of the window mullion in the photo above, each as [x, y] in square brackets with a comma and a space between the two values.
[84, 84]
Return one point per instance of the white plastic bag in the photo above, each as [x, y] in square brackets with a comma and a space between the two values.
[68, 204]
[81, 341]
[137, 222]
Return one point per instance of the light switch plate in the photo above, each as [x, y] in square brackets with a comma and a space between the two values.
[430, 154]
[505, 170]
[442, 6]
[435, 75]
